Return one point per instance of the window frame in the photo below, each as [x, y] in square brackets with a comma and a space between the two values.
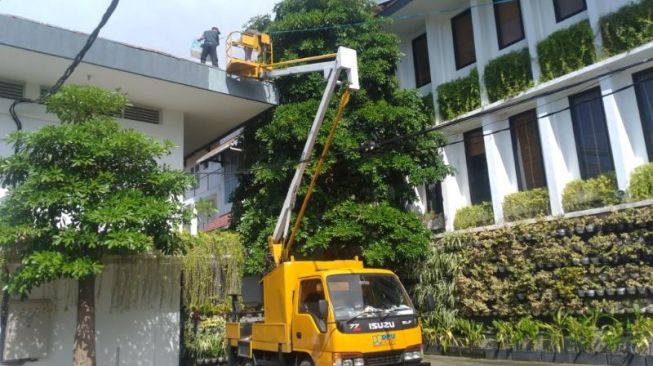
[556, 10]
[454, 38]
[428, 61]
[581, 162]
[473, 194]
[320, 326]
[647, 128]
[521, 184]
[498, 25]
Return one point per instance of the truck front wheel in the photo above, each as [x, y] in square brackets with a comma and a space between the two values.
[305, 361]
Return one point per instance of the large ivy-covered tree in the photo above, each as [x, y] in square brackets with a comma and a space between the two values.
[359, 207]
[81, 191]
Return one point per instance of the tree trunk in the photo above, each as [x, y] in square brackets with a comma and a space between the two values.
[84, 346]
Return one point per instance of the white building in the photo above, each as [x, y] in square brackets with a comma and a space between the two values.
[596, 119]
[193, 105]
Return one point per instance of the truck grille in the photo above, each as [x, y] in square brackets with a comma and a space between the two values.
[383, 358]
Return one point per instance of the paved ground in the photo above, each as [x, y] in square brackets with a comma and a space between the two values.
[460, 361]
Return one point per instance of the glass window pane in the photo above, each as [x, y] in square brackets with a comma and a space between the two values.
[527, 150]
[463, 39]
[477, 172]
[421, 61]
[434, 198]
[591, 133]
[567, 8]
[644, 90]
[509, 23]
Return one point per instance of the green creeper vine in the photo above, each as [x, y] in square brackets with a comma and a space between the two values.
[566, 50]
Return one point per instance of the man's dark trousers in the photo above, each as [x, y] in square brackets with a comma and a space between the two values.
[209, 50]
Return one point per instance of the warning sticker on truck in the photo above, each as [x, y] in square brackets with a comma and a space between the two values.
[384, 339]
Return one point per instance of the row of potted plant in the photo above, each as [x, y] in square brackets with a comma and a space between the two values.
[593, 338]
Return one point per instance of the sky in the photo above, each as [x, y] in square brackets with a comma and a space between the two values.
[164, 25]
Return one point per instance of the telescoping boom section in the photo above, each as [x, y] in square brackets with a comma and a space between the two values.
[323, 313]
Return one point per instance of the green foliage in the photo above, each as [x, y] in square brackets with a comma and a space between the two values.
[526, 333]
[474, 216]
[459, 96]
[590, 193]
[471, 333]
[641, 183]
[504, 332]
[627, 28]
[212, 267]
[508, 75]
[566, 50]
[356, 190]
[641, 331]
[83, 190]
[526, 204]
[209, 341]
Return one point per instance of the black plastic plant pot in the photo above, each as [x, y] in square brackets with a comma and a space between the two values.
[575, 261]
[454, 351]
[592, 358]
[472, 352]
[548, 356]
[636, 360]
[589, 228]
[617, 359]
[433, 350]
[503, 354]
[562, 232]
[595, 260]
[491, 353]
[526, 356]
[565, 357]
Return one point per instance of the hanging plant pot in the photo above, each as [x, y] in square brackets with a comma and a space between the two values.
[580, 230]
[634, 275]
[595, 260]
[575, 261]
[600, 292]
[641, 290]
[582, 293]
[591, 293]
[631, 290]
[585, 261]
[610, 291]
[550, 265]
[562, 232]
[621, 291]
[501, 269]
[521, 296]
[589, 228]
[621, 227]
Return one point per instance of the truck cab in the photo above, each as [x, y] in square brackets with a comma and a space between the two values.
[330, 313]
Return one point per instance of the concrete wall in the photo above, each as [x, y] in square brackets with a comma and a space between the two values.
[33, 116]
[137, 315]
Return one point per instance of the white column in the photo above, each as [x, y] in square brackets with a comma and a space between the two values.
[500, 163]
[455, 188]
[437, 44]
[558, 148]
[483, 23]
[624, 127]
[532, 15]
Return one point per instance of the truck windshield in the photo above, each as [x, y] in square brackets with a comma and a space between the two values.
[367, 295]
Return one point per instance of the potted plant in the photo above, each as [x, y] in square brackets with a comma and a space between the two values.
[528, 330]
[612, 339]
[641, 331]
[504, 331]
[472, 334]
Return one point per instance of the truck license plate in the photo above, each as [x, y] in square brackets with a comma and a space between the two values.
[384, 339]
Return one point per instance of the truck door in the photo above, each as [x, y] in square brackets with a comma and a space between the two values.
[309, 328]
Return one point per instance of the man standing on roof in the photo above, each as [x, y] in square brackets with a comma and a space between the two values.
[211, 41]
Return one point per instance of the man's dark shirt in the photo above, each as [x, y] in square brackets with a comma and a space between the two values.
[211, 38]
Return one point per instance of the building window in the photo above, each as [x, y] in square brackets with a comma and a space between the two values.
[434, 198]
[527, 150]
[568, 8]
[644, 91]
[591, 133]
[421, 61]
[463, 39]
[477, 173]
[507, 16]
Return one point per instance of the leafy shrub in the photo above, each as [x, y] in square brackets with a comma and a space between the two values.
[507, 75]
[566, 50]
[526, 204]
[474, 216]
[641, 182]
[459, 96]
[627, 28]
[590, 193]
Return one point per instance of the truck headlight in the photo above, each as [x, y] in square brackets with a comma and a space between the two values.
[359, 362]
[347, 363]
[413, 353]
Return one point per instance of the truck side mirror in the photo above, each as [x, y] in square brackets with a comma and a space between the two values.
[322, 308]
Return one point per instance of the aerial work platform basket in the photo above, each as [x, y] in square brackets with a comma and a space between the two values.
[249, 53]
